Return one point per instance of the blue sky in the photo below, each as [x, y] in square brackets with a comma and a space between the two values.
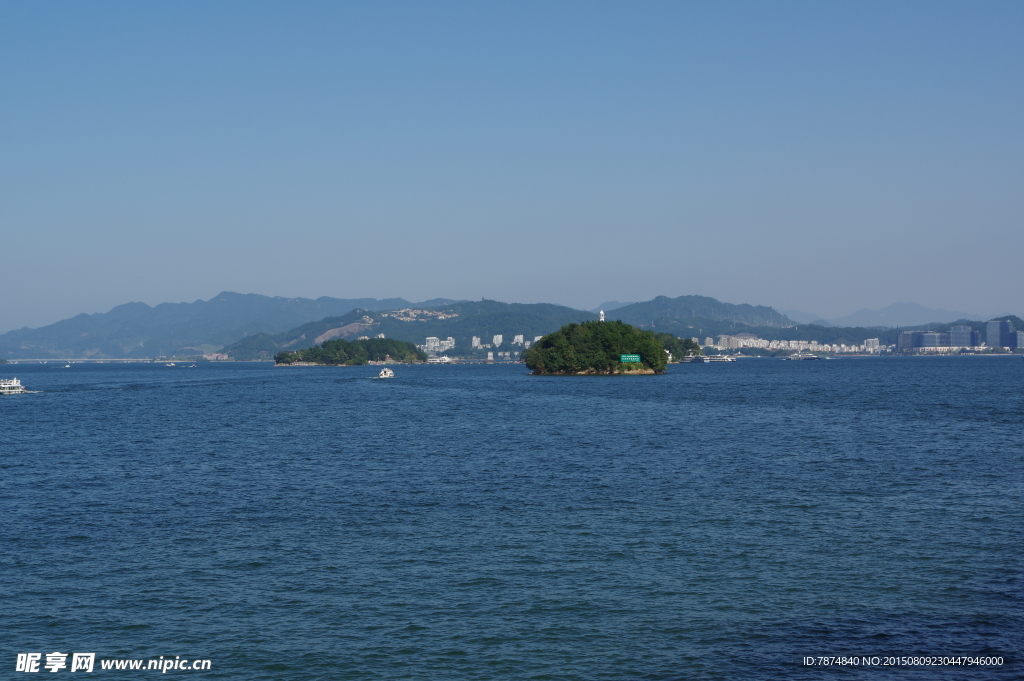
[818, 156]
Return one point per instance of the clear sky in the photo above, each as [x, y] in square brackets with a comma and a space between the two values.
[817, 156]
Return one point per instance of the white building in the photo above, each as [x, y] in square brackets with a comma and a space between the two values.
[476, 342]
[517, 340]
[435, 344]
[496, 341]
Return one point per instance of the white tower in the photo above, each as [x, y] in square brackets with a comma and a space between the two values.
[601, 319]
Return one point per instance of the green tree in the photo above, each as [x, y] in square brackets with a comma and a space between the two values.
[595, 347]
[679, 347]
[339, 352]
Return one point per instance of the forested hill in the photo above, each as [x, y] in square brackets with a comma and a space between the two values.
[462, 321]
[666, 314]
[138, 330]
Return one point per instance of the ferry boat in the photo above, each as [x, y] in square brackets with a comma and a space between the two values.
[803, 355]
[713, 358]
[11, 386]
[443, 359]
[386, 373]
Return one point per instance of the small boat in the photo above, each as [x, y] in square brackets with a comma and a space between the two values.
[11, 386]
[169, 364]
[386, 373]
[67, 366]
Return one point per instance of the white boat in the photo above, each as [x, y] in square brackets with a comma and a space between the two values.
[803, 355]
[11, 386]
[443, 359]
[386, 373]
[713, 358]
[169, 364]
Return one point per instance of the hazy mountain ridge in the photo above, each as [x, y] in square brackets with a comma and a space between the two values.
[610, 305]
[486, 318]
[252, 326]
[902, 314]
[483, 319]
[890, 316]
[138, 330]
[664, 313]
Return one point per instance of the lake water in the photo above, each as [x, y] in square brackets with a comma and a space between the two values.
[474, 522]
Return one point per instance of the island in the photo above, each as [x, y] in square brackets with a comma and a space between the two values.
[597, 348]
[345, 353]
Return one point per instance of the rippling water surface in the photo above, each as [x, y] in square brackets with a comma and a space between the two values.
[475, 522]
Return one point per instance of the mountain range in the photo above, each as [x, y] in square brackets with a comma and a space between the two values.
[250, 326]
[891, 316]
[137, 330]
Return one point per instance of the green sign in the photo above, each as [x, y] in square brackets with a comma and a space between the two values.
[629, 358]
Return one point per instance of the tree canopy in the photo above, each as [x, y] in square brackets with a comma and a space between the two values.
[595, 348]
[338, 352]
[679, 347]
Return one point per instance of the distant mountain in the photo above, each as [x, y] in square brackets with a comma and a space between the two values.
[806, 317]
[609, 306]
[901, 314]
[461, 321]
[686, 313]
[686, 316]
[138, 330]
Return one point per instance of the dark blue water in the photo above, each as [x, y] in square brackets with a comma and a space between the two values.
[474, 522]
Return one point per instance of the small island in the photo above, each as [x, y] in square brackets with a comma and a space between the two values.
[597, 348]
[345, 353]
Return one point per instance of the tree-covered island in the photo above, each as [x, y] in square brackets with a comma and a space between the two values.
[343, 352]
[596, 348]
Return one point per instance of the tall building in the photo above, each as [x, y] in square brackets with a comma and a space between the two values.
[517, 340]
[998, 334]
[1020, 339]
[961, 337]
[905, 341]
[435, 344]
[476, 341]
[709, 341]
[728, 342]
[931, 339]
[871, 344]
[496, 341]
